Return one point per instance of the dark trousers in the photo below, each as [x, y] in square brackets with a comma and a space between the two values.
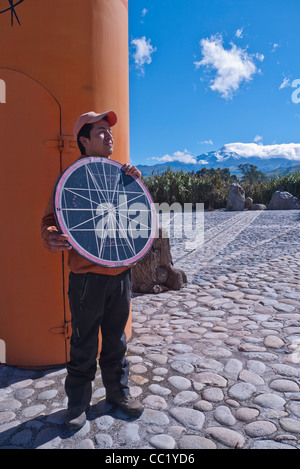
[98, 301]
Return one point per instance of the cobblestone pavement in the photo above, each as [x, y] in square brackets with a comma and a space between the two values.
[215, 364]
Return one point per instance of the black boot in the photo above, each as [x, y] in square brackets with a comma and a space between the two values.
[79, 393]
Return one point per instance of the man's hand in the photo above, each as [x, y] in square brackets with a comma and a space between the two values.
[58, 241]
[131, 170]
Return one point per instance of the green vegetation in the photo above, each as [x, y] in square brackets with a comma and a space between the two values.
[251, 174]
[210, 186]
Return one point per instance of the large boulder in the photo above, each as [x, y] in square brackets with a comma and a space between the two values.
[236, 198]
[258, 207]
[283, 201]
[155, 272]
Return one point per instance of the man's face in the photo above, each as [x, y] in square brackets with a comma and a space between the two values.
[101, 142]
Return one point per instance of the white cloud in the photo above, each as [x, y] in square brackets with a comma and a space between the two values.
[290, 151]
[274, 47]
[181, 156]
[257, 139]
[233, 66]
[239, 33]
[143, 52]
[144, 12]
[207, 142]
[260, 57]
[285, 83]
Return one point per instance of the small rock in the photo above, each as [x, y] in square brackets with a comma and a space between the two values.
[179, 382]
[23, 393]
[10, 405]
[242, 391]
[284, 307]
[185, 397]
[250, 377]
[33, 410]
[135, 391]
[157, 358]
[195, 442]
[212, 379]
[86, 444]
[286, 370]
[6, 417]
[50, 394]
[256, 367]
[182, 367]
[270, 444]
[155, 402]
[160, 390]
[294, 407]
[103, 440]
[138, 368]
[250, 348]
[216, 352]
[227, 437]
[140, 380]
[163, 442]
[260, 428]
[190, 418]
[205, 406]
[213, 394]
[104, 422]
[271, 401]
[235, 295]
[273, 341]
[258, 207]
[223, 415]
[246, 413]
[44, 383]
[290, 425]
[129, 433]
[284, 385]
[154, 417]
[233, 366]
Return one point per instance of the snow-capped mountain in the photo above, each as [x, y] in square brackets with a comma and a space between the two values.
[282, 158]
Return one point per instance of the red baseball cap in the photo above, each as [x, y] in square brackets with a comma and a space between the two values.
[91, 117]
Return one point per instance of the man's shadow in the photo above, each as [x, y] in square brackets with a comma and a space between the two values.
[46, 428]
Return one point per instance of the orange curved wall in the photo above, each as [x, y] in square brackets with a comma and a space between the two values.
[65, 58]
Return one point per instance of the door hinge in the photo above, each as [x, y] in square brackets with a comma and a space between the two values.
[66, 330]
[64, 143]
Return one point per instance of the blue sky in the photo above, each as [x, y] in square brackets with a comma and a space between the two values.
[209, 73]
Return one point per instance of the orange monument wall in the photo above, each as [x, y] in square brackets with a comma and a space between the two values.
[59, 59]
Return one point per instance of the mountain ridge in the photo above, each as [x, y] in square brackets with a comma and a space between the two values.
[221, 159]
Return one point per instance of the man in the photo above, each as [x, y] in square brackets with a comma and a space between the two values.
[99, 297]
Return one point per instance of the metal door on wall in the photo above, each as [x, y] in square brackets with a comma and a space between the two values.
[33, 315]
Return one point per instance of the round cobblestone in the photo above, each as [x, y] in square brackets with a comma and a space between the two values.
[260, 428]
